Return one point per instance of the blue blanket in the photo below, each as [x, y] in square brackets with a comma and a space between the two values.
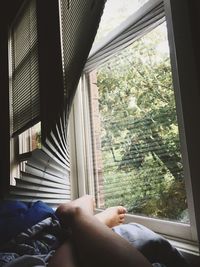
[16, 217]
[28, 233]
[36, 244]
[153, 246]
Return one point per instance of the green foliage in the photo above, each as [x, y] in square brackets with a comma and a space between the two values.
[39, 140]
[140, 140]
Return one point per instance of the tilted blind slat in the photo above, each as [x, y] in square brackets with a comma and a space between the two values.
[21, 192]
[28, 186]
[27, 178]
[40, 158]
[45, 176]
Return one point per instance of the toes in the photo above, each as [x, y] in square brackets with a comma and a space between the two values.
[121, 210]
[121, 216]
[121, 221]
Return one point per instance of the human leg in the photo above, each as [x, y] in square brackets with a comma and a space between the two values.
[64, 256]
[95, 243]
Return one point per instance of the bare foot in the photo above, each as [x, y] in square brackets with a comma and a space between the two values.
[112, 216]
[66, 211]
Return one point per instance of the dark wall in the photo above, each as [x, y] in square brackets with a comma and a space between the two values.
[194, 11]
[4, 112]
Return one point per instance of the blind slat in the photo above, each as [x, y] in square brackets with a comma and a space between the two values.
[27, 178]
[27, 186]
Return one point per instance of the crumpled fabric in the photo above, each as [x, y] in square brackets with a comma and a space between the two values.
[27, 261]
[40, 241]
[16, 217]
[158, 265]
[153, 246]
[30, 234]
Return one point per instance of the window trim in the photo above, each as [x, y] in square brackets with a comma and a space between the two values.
[82, 174]
[182, 56]
[80, 141]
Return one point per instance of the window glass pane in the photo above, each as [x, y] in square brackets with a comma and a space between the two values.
[137, 153]
[30, 139]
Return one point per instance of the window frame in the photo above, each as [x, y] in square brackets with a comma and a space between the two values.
[179, 33]
[80, 142]
[187, 236]
[173, 229]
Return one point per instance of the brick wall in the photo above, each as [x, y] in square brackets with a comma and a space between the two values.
[96, 136]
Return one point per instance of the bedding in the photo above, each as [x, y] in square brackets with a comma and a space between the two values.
[26, 260]
[153, 246]
[16, 217]
[31, 234]
[39, 242]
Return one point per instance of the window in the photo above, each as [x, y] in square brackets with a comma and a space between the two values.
[30, 139]
[24, 71]
[123, 141]
[138, 145]
[135, 132]
[24, 85]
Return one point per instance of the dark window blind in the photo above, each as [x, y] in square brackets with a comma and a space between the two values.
[47, 171]
[79, 23]
[24, 69]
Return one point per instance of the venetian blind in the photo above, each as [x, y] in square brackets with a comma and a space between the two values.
[138, 24]
[79, 24]
[24, 74]
[46, 175]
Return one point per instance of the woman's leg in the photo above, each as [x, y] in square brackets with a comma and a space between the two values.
[95, 243]
[64, 256]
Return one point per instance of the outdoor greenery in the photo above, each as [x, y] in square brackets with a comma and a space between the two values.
[140, 141]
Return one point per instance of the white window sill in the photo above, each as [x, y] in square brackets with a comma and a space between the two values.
[184, 247]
